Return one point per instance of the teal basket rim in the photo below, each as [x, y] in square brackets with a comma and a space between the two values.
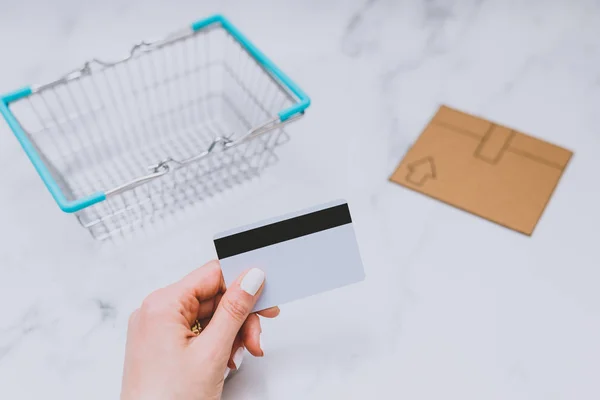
[71, 206]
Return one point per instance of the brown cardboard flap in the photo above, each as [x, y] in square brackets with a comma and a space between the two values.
[487, 169]
[460, 121]
[543, 152]
[494, 143]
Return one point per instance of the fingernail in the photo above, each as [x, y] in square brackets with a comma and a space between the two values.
[227, 371]
[238, 357]
[252, 281]
[260, 343]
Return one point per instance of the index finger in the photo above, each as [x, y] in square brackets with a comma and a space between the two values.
[205, 282]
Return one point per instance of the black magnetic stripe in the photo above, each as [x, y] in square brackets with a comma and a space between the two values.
[281, 231]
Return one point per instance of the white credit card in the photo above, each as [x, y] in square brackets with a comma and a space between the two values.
[302, 253]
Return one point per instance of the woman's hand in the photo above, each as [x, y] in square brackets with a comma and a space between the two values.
[164, 359]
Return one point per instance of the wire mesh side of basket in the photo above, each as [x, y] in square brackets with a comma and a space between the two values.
[155, 131]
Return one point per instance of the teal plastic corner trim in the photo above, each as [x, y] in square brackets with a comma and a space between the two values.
[16, 95]
[203, 23]
[65, 205]
[303, 99]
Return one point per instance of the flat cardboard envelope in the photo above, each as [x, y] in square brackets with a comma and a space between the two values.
[487, 169]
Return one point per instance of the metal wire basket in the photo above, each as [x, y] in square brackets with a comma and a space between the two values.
[177, 120]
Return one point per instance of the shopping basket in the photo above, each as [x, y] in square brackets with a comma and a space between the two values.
[121, 142]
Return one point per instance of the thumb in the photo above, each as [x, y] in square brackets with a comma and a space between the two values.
[235, 306]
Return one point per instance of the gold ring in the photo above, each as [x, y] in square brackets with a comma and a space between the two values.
[197, 328]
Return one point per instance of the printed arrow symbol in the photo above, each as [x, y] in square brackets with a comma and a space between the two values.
[421, 170]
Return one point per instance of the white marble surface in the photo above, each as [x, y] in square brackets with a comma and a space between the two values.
[452, 307]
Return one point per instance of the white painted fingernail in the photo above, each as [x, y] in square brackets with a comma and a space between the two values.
[227, 371]
[252, 281]
[238, 357]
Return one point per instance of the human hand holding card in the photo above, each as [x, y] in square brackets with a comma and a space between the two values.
[302, 253]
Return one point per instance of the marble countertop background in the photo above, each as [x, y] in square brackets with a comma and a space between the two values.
[453, 306]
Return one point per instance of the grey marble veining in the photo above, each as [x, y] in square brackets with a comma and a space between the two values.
[453, 306]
